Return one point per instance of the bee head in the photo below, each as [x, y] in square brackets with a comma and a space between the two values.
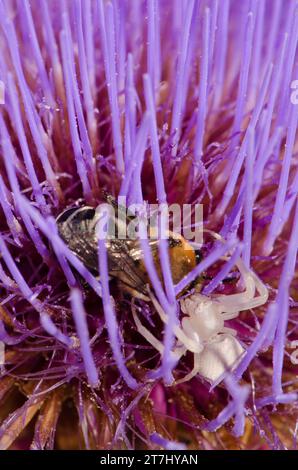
[199, 256]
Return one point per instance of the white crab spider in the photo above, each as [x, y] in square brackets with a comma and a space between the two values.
[202, 330]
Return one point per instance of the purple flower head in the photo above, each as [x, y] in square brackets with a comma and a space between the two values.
[166, 102]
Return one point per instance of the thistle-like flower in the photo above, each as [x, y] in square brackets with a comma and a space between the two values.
[187, 102]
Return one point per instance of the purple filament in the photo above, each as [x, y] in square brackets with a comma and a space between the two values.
[110, 316]
[79, 315]
[29, 295]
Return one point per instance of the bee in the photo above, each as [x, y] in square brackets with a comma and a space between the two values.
[77, 228]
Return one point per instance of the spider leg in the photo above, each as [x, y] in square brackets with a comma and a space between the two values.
[251, 277]
[193, 372]
[146, 333]
[244, 300]
[230, 315]
[229, 331]
[179, 333]
[263, 291]
[158, 345]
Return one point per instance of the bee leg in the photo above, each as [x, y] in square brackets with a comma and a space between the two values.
[226, 280]
[230, 280]
[133, 292]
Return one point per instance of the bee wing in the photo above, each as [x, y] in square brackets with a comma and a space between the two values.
[77, 228]
[124, 267]
[124, 254]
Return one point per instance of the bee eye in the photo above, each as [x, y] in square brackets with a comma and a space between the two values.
[65, 215]
[199, 256]
[84, 214]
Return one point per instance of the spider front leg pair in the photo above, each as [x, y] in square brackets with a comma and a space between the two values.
[202, 331]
